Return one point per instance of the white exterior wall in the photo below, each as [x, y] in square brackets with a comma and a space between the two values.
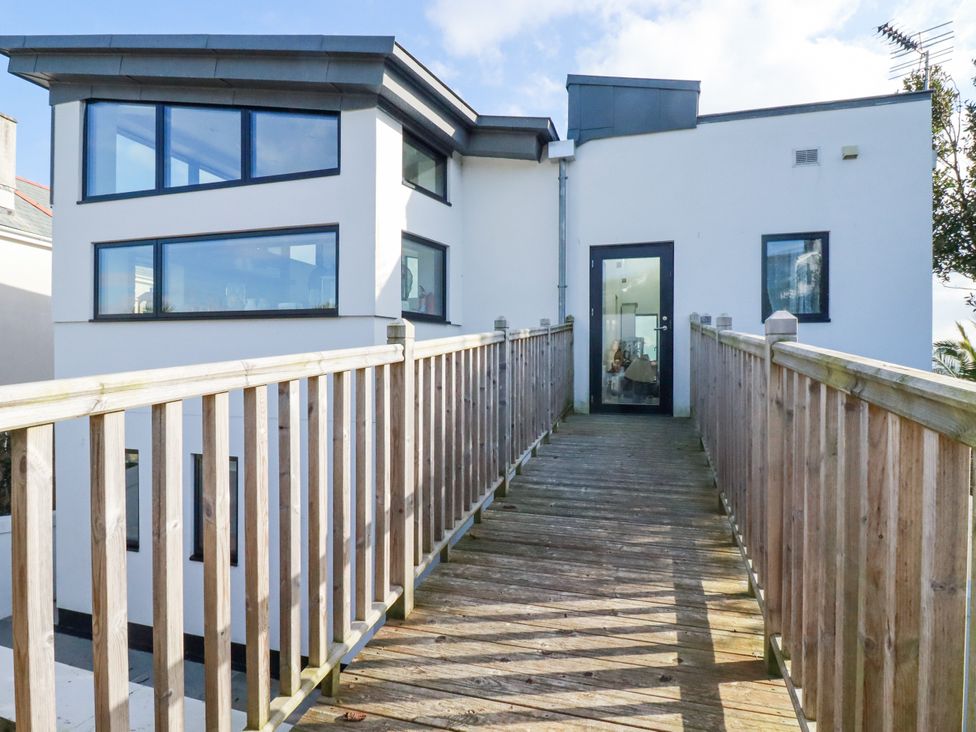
[717, 189]
[26, 340]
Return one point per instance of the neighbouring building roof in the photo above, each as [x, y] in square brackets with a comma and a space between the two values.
[335, 72]
[32, 210]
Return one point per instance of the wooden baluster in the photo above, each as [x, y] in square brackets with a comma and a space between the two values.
[945, 517]
[460, 434]
[216, 562]
[419, 464]
[852, 478]
[32, 576]
[827, 563]
[381, 586]
[480, 394]
[109, 607]
[342, 544]
[167, 556]
[447, 378]
[437, 451]
[789, 462]
[289, 537]
[320, 610]
[365, 500]
[401, 333]
[256, 555]
[907, 456]
[430, 448]
[469, 430]
[812, 538]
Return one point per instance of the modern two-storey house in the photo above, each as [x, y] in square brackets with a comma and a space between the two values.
[222, 197]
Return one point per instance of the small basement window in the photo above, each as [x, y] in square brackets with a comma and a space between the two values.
[795, 275]
[424, 168]
[197, 555]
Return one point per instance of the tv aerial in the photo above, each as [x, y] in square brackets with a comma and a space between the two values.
[911, 52]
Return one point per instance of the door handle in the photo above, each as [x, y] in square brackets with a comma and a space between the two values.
[663, 327]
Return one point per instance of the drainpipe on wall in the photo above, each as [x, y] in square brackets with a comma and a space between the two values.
[562, 151]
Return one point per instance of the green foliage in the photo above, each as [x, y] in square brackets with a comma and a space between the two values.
[954, 179]
[956, 358]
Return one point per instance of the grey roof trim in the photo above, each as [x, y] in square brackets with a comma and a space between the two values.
[876, 101]
[341, 67]
[676, 84]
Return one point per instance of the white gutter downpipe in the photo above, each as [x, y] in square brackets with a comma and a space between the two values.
[562, 151]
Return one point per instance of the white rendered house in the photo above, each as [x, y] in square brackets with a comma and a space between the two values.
[221, 197]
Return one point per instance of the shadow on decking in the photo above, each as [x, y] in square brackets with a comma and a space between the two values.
[604, 591]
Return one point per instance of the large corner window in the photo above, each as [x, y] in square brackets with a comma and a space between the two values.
[197, 555]
[137, 149]
[423, 281]
[264, 274]
[795, 275]
[424, 168]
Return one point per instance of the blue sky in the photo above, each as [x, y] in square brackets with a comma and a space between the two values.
[512, 56]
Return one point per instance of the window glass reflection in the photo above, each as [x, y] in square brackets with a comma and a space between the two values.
[125, 280]
[293, 142]
[203, 145]
[120, 148]
[422, 279]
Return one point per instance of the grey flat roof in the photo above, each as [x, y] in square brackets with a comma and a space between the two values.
[875, 101]
[675, 84]
[338, 72]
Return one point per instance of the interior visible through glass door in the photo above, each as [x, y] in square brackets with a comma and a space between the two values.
[632, 327]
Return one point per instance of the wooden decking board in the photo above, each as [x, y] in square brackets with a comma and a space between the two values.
[602, 593]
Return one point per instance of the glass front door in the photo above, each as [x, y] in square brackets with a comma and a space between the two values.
[630, 337]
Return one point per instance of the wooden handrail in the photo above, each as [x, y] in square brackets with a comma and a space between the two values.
[847, 482]
[415, 439]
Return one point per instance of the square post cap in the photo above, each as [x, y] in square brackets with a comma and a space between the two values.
[723, 322]
[706, 319]
[501, 323]
[781, 324]
[399, 330]
[544, 322]
[570, 319]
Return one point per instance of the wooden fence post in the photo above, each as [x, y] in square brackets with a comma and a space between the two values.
[693, 371]
[780, 326]
[723, 367]
[548, 371]
[504, 404]
[401, 332]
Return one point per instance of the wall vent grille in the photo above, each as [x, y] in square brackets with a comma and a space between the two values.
[810, 156]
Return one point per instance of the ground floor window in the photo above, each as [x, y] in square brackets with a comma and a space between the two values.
[423, 279]
[268, 273]
[198, 509]
[795, 275]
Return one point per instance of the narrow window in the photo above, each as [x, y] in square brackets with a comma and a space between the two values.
[424, 168]
[202, 145]
[256, 273]
[197, 555]
[795, 275]
[132, 500]
[120, 148]
[423, 279]
[286, 143]
[124, 280]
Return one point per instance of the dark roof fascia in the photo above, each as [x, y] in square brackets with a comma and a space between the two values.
[362, 66]
[675, 84]
[875, 101]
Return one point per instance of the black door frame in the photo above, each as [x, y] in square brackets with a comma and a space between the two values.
[665, 252]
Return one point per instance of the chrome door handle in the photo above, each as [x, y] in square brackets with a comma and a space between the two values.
[663, 327]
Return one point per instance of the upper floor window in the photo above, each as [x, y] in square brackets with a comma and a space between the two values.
[263, 273]
[423, 279]
[140, 149]
[424, 168]
[795, 275]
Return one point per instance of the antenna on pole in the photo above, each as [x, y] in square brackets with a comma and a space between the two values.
[921, 49]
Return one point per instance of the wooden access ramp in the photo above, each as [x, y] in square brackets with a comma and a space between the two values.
[603, 592]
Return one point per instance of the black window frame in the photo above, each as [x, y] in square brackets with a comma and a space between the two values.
[423, 241]
[158, 244]
[424, 146]
[132, 545]
[196, 466]
[246, 178]
[824, 315]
